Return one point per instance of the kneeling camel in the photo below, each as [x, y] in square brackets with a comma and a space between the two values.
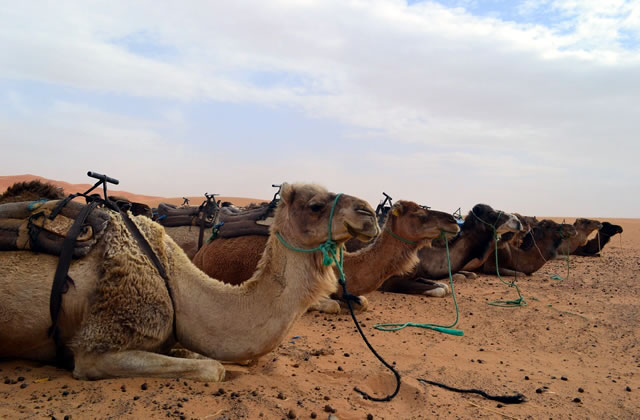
[117, 318]
[408, 228]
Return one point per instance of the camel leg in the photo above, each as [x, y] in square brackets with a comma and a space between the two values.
[133, 363]
[468, 274]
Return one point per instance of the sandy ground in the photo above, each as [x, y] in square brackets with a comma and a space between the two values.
[574, 352]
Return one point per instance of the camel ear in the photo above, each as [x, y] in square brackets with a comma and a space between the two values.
[287, 193]
[397, 209]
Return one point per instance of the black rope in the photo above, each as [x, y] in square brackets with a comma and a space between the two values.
[506, 399]
[348, 298]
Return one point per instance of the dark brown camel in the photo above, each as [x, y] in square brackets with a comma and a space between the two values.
[31, 191]
[538, 246]
[475, 241]
[591, 248]
[408, 228]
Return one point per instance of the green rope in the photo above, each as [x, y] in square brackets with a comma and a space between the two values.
[447, 329]
[504, 303]
[400, 238]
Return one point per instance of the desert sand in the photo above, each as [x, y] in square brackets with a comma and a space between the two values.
[573, 351]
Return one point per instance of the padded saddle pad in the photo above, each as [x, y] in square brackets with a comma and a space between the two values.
[29, 226]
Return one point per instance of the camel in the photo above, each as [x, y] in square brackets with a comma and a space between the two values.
[31, 191]
[117, 316]
[475, 242]
[584, 227]
[593, 247]
[407, 229]
[538, 246]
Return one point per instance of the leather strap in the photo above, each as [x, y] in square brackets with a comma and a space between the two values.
[61, 279]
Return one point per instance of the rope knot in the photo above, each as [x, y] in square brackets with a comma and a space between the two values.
[328, 249]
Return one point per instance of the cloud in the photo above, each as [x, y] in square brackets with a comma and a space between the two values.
[513, 98]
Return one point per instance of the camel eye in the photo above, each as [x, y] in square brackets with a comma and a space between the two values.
[316, 207]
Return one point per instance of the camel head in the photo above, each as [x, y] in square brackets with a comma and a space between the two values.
[416, 223]
[302, 216]
[610, 229]
[486, 216]
[586, 226]
[549, 229]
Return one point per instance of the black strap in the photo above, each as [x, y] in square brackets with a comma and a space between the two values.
[61, 278]
[202, 217]
[506, 399]
[144, 245]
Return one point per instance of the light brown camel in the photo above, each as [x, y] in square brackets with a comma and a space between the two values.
[117, 318]
[31, 191]
[475, 242]
[408, 228]
[593, 247]
[584, 227]
[538, 246]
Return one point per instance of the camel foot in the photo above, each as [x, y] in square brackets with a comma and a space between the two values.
[433, 288]
[362, 307]
[469, 274]
[458, 277]
[325, 305]
[136, 363]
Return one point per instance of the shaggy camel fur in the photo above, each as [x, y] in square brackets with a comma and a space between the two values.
[31, 191]
[592, 248]
[117, 318]
[475, 241]
[233, 260]
[584, 227]
[538, 246]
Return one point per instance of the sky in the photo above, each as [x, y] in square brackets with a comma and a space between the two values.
[530, 106]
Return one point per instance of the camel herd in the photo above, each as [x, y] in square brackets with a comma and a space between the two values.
[117, 317]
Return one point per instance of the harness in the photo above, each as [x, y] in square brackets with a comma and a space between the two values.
[61, 279]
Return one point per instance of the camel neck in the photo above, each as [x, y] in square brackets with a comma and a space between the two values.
[471, 243]
[243, 322]
[368, 268]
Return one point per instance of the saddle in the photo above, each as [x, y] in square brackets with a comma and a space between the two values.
[40, 226]
[248, 222]
[171, 215]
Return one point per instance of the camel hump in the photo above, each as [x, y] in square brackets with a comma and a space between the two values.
[30, 226]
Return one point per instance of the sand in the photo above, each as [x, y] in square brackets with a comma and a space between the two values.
[577, 342]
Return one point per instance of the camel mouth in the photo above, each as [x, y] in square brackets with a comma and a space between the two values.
[451, 233]
[360, 235]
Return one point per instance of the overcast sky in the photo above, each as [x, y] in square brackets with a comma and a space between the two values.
[529, 106]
